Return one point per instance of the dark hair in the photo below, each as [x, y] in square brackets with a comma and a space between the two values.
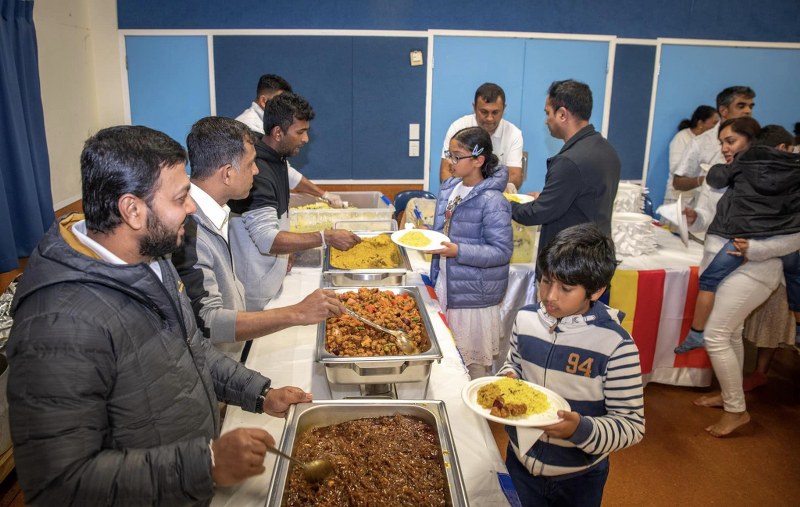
[474, 140]
[284, 109]
[123, 160]
[773, 136]
[579, 255]
[574, 96]
[744, 125]
[271, 83]
[702, 113]
[489, 92]
[215, 141]
[725, 97]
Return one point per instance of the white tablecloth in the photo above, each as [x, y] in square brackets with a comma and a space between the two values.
[287, 357]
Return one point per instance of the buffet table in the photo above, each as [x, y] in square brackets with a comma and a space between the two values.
[287, 357]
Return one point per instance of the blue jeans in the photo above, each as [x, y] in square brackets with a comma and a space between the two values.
[584, 490]
[723, 265]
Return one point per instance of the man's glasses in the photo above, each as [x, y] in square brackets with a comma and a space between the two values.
[455, 158]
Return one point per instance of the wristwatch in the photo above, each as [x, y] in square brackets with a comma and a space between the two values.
[261, 400]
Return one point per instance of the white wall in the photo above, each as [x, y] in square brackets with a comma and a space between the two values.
[81, 83]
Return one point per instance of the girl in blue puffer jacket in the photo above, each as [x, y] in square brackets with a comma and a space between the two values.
[470, 273]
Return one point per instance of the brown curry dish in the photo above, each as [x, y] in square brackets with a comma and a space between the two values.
[387, 461]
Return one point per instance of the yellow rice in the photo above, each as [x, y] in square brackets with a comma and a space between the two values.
[515, 392]
[415, 238]
[372, 253]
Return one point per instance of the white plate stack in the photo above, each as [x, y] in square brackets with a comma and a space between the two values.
[629, 199]
[633, 234]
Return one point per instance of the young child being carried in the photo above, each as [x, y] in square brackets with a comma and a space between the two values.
[573, 344]
[762, 201]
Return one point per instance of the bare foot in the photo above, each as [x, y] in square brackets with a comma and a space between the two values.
[728, 423]
[712, 401]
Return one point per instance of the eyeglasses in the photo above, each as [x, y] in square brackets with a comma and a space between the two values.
[455, 158]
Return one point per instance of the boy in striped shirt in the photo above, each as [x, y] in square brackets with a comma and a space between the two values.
[574, 345]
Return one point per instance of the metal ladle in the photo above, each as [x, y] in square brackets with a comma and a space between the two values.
[402, 339]
[314, 471]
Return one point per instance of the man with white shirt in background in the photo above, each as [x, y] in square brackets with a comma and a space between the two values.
[223, 162]
[732, 102]
[488, 108]
[269, 86]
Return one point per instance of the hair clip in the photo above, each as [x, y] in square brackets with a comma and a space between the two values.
[476, 151]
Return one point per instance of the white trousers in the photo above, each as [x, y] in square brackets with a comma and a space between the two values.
[737, 296]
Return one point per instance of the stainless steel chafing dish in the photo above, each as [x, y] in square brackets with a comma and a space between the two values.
[305, 416]
[383, 369]
[368, 277]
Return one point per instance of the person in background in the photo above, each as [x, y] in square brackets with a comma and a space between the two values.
[703, 119]
[573, 344]
[738, 294]
[470, 272]
[732, 102]
[112, 388]
[223, 163]
[488, 108]
[260, 237]
[271, 85]
[765, 178]
[582, 179]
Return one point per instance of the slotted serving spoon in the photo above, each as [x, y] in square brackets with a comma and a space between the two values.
[314, 471]
[402, 339]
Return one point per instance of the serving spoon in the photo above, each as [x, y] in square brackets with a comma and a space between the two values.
[402, 339]
[314, 471]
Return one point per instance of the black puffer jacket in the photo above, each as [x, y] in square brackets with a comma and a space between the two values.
[112, 389]
[763, 195]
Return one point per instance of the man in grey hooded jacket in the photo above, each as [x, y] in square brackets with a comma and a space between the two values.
[112, 389]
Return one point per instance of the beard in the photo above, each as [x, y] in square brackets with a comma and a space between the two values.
[159, 240]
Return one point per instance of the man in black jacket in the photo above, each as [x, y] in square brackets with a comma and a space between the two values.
[582, 179]
[112, 388]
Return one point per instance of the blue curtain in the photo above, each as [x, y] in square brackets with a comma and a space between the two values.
[26, 204]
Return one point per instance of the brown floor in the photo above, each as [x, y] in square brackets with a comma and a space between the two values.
[678, 463]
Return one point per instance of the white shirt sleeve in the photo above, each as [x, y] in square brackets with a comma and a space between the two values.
[514, 155]
[449, 135]
[294, 176]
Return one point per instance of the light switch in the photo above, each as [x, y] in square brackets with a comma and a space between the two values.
[413, 148]
[416, 57]
[413, 131]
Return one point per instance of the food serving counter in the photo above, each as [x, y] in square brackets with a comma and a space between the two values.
[287, 357]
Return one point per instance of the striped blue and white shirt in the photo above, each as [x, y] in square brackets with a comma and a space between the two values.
[593, 363]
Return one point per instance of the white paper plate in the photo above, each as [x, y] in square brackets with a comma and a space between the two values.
[470, 396]
[436, 239]
[520, 198]
[683, 225]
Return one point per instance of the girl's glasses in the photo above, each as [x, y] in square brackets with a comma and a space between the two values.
[455, 158]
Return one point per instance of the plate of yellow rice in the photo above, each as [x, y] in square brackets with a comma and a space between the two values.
[520, 402]
[419, 239]
[520, 198]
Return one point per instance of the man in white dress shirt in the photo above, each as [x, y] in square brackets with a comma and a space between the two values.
[270, 85]
[732, 102]
[488, 108]
[223, 161]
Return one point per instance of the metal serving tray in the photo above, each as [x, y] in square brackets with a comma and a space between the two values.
[370, 277]
[305, 416]
[382, 369]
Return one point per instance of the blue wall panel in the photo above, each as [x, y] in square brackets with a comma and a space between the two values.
[168, 82]
[768, 20]
[318, 68]
[547, 61]
[461, 65]
[388, 95]
[630, 106]
[693, 75]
